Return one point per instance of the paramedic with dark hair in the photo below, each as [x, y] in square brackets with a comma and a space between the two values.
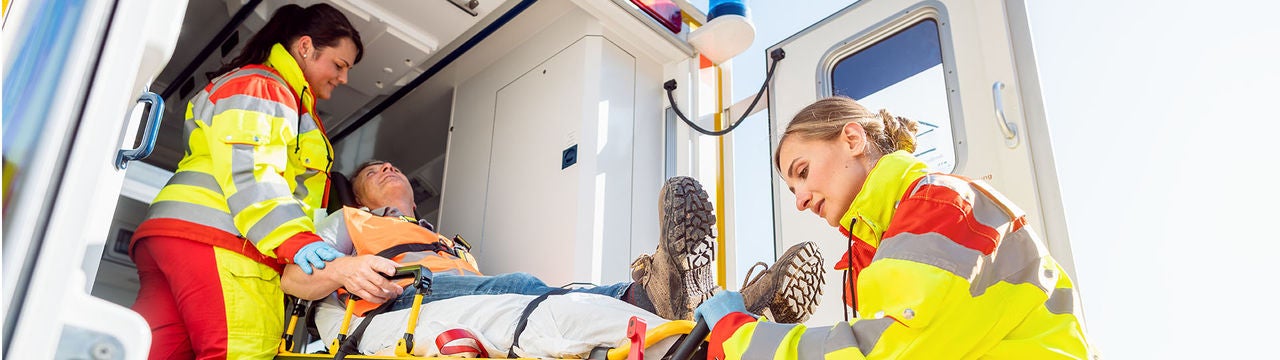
[240, 205]
[939, 266]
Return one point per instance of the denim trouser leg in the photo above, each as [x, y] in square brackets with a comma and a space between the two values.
[447, 286]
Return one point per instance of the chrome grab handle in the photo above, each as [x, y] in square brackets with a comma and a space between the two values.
[124, 156]
[1009, 129]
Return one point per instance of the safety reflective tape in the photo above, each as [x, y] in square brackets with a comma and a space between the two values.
[1017, 260]
[1021, 260]
[865, 332]
[195, 178]
[242, 165]
[931, 249]
[813, 343]
[256, 193]
[1061, 301]
[300, 183]
[278, 216]
[307, 123]
[194, 213]
[252, 103]
[766, 340]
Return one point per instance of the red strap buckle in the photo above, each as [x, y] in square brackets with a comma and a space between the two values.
[635, 331]
[451, 335]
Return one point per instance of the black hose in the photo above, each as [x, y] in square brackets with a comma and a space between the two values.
[692, 341]
[670, 86]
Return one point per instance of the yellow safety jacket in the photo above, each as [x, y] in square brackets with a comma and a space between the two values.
[956, 274]
[256, 165]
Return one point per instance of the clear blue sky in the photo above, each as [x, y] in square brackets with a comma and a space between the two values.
[1165, 139]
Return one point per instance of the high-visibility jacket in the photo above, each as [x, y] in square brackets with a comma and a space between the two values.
[256, 165]
[399, 238]
[955, 272]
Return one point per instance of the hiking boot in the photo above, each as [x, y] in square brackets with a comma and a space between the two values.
[678, 276]
[791, 289]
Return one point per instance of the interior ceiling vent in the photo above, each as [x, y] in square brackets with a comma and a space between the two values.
[422, 190]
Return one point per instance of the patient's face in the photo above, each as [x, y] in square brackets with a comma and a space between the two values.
[382, 185]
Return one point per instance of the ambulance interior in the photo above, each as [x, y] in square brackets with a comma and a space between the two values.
[490, 135]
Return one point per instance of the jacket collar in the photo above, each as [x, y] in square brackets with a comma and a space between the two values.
[288, 68]
[874, 205]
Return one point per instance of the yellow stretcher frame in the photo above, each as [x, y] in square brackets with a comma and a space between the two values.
[404, 345]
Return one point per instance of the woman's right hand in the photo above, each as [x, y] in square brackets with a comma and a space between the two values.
[363, 276]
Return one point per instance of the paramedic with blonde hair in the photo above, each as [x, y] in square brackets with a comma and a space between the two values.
[939, 266]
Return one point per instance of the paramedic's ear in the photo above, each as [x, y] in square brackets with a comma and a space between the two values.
[854, 137]
[303, 47]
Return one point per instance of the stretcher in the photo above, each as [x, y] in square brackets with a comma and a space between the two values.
[693, 335]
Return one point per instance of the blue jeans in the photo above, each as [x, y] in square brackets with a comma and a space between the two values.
[447, 286]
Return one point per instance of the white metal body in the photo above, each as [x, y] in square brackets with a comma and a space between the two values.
[983, 42]
[131, 40]
[502, 185]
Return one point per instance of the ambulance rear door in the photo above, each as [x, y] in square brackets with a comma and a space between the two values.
[75, 74]
[964, 69]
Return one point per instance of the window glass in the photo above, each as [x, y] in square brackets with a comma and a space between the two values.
[904, 74]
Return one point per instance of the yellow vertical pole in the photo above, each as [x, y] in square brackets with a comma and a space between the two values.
[719, 124]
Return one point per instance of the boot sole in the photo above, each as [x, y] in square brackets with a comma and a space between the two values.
[801, 285]
[687, 233]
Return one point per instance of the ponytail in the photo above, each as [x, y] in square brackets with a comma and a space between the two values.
[825, 120]
[322, 22]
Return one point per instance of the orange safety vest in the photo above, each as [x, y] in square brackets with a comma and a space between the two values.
[406, 243]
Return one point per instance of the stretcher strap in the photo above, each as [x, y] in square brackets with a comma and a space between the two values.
[458, 334]
[352, 343]
[524, 318]
[391, 252]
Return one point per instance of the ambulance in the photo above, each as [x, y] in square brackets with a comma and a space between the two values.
[541, 130]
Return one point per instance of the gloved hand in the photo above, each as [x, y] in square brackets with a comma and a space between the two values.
[718, 306]
[315, 255]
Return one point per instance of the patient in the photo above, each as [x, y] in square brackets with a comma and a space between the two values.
[670, 283]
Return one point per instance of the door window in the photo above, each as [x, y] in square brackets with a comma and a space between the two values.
[904, 74]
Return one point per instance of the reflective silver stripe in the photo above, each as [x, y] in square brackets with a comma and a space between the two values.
[1061, 301]
[281, 214]
[988, 213]
[194, 178]
[866, 333]
[306, 123]
[194, 213]
[1020, 259]
[300, 187]
[1006, 205]
[960, 186]
[812, 343]
[766, 340]
[255, 193]
[217, 83]
[242, 165]
[256, 104]
[1017, 260]
[932, 249]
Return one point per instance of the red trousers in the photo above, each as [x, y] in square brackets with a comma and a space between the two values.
[205, 302]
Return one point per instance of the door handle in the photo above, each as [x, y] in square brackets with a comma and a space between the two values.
[1009, 129]
[156, 113]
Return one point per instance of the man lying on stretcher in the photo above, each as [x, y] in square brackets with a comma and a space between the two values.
[670, 283]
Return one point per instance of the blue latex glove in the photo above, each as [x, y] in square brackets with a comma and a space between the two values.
[315, 255]
[719, 306]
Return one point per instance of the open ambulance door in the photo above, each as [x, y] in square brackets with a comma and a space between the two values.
[74, 73]
[964, 69]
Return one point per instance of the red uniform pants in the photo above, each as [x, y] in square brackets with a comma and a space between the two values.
[205, 302]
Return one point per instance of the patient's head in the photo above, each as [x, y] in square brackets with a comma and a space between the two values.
[378, 184]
